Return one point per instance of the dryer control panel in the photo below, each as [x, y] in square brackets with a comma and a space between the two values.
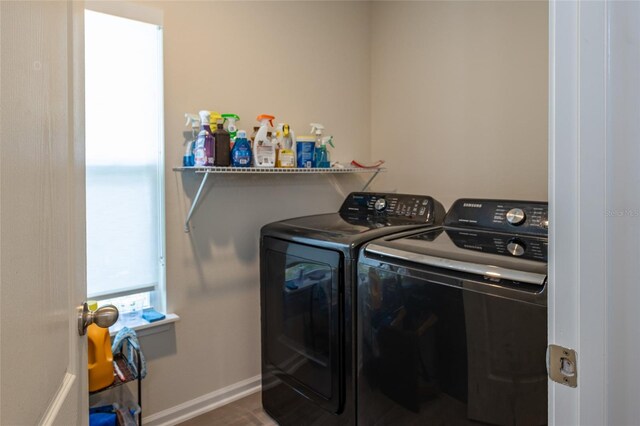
[405, 207]
[512, 217]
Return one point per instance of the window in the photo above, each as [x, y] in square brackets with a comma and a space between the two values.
[124, 158]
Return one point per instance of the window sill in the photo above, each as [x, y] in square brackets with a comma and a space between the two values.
[145, 328]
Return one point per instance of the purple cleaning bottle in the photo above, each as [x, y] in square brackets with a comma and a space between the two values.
[203, 151]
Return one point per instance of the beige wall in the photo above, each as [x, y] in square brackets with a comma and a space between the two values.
[459, 98]
[302, 62]
[452, 95]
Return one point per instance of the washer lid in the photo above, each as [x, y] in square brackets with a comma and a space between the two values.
[334, 231]
[364, 216]
[491, 255]
[344, 226]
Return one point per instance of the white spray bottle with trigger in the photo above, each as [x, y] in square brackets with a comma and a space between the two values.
[194, 121]
[317, 129]
[264, 150]
[232, 128]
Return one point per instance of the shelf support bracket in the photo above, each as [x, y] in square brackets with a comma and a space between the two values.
[370, 180]
[195, 202]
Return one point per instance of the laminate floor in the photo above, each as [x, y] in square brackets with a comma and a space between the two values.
[245, 411]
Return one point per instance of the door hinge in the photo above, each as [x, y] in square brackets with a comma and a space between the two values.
[562, 365]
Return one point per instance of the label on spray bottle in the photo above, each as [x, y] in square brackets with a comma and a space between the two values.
[208, 144]
[199, 152]
[203, 152]
[265, 153]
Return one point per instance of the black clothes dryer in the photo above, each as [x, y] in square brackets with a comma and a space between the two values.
[307, 276]
[452, 323]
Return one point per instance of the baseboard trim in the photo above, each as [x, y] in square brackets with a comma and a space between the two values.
[205, 403]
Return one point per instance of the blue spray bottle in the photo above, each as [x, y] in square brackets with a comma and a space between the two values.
[241, 154]
[188, 159]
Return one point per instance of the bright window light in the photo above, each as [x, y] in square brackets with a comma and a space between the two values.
[124, 156]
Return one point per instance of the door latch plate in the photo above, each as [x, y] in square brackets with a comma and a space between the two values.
[562, 365]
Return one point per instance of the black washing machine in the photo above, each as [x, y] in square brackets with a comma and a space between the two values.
[452, 323]
[307, 276]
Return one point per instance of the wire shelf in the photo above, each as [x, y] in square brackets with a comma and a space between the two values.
[121, 361]
[205, 172]
[275, 170]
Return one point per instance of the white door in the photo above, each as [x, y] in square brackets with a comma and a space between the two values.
[42, 248]
[594, 195]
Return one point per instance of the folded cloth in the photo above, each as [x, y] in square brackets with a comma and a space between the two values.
[129, 335]
[152, 315]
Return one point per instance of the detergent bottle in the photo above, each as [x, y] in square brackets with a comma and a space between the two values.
[231, 120]
[241, 152]
[194, 122]
[100, 357]
[322, 154]
[222, 144]
[264, 151]
[203, 150]
[286, 154]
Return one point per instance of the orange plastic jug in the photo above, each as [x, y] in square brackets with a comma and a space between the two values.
[100, 358]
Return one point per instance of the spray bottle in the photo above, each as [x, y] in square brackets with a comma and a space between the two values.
[203, 150]
[221, 144]
[264, 152]
[241, 151]
[286, 147]
[322, 154]
[194, 122]
[231, 120]
[317, 129]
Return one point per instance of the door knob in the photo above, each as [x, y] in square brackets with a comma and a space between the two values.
[103, 317]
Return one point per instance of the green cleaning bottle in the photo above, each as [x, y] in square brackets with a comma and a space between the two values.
[322, 153]
[232, 128]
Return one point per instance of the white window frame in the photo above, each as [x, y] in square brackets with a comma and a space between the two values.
[152, 16]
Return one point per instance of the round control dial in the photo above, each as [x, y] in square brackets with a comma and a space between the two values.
[516, 216]
[380, 204]
[516, 247]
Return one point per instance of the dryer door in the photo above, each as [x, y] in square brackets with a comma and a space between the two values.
[301, 313]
